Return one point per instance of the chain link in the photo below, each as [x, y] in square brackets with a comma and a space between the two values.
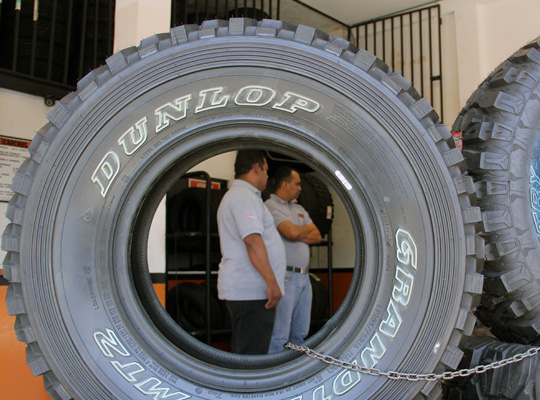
[480, 369]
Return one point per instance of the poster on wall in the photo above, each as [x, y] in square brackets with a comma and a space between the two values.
[12, 153]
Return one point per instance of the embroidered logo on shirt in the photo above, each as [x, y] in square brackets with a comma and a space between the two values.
[301, 215]
[252, 217]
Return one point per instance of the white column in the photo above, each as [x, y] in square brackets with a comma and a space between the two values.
[138, 19]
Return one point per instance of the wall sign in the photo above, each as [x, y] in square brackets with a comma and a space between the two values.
[12, 153]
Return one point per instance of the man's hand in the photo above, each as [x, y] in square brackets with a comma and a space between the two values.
[274, 296]
[259, 258]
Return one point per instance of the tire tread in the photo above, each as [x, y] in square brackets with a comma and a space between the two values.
[493, 123]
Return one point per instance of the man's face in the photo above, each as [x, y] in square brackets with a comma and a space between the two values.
[293, 187]
[262, 175]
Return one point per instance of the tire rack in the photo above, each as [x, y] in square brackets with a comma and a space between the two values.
[208, 241]
[328, 243]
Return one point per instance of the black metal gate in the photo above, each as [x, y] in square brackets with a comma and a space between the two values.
[46, 46]
[410, 43]
[197, 11]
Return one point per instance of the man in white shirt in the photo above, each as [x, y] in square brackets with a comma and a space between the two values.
[252, 268]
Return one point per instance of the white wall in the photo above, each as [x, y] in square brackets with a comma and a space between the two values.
[478, 36]
[21, 115]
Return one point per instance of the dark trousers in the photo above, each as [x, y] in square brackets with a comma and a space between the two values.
[252, 326]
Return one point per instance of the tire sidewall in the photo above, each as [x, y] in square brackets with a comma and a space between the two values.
[101, 313]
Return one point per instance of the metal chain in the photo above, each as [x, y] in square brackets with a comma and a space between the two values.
[480, 369]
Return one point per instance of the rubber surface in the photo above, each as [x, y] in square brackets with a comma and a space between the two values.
[515, 381]
[187, 210]
[501, 143]
[77, 241]
[317, 200]
[186, 303]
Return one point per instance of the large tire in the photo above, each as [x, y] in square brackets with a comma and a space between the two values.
[186, 303]
[501, 143]
[77, 243]
[186, 211]
[320, 310]
[515, 381]
[317, 200]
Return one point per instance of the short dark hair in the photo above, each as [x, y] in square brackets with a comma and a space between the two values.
[283, 174]
[245, 160]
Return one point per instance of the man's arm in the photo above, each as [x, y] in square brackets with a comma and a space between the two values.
[314, 235]
[308, 234]
[259, 258]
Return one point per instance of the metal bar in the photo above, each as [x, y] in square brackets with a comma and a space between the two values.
[16, 35]
[278, 9]
[384, 39]
[411, 41]
[51, 40]
[110, 36]
[440, 61]
[365, 37]
[330, 274]
[374, 38]
[401, 45]
[393, 47]
[83, 36]
[34, 43]
[68, 42]
[430, 56]
[96, 33]
[421, 54]
[208, 243]
[24, 83]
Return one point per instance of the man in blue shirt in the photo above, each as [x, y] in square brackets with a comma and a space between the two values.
[293, 313]
[252, 268]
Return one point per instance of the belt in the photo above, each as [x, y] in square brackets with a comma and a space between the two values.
[299, 270]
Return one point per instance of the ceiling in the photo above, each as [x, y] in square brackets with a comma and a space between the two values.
[351, 12]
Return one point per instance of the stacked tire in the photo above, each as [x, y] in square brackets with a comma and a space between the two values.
[317, 200]
[84, 202]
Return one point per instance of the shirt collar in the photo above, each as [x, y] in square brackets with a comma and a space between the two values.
[246, 184]
[279, 199]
